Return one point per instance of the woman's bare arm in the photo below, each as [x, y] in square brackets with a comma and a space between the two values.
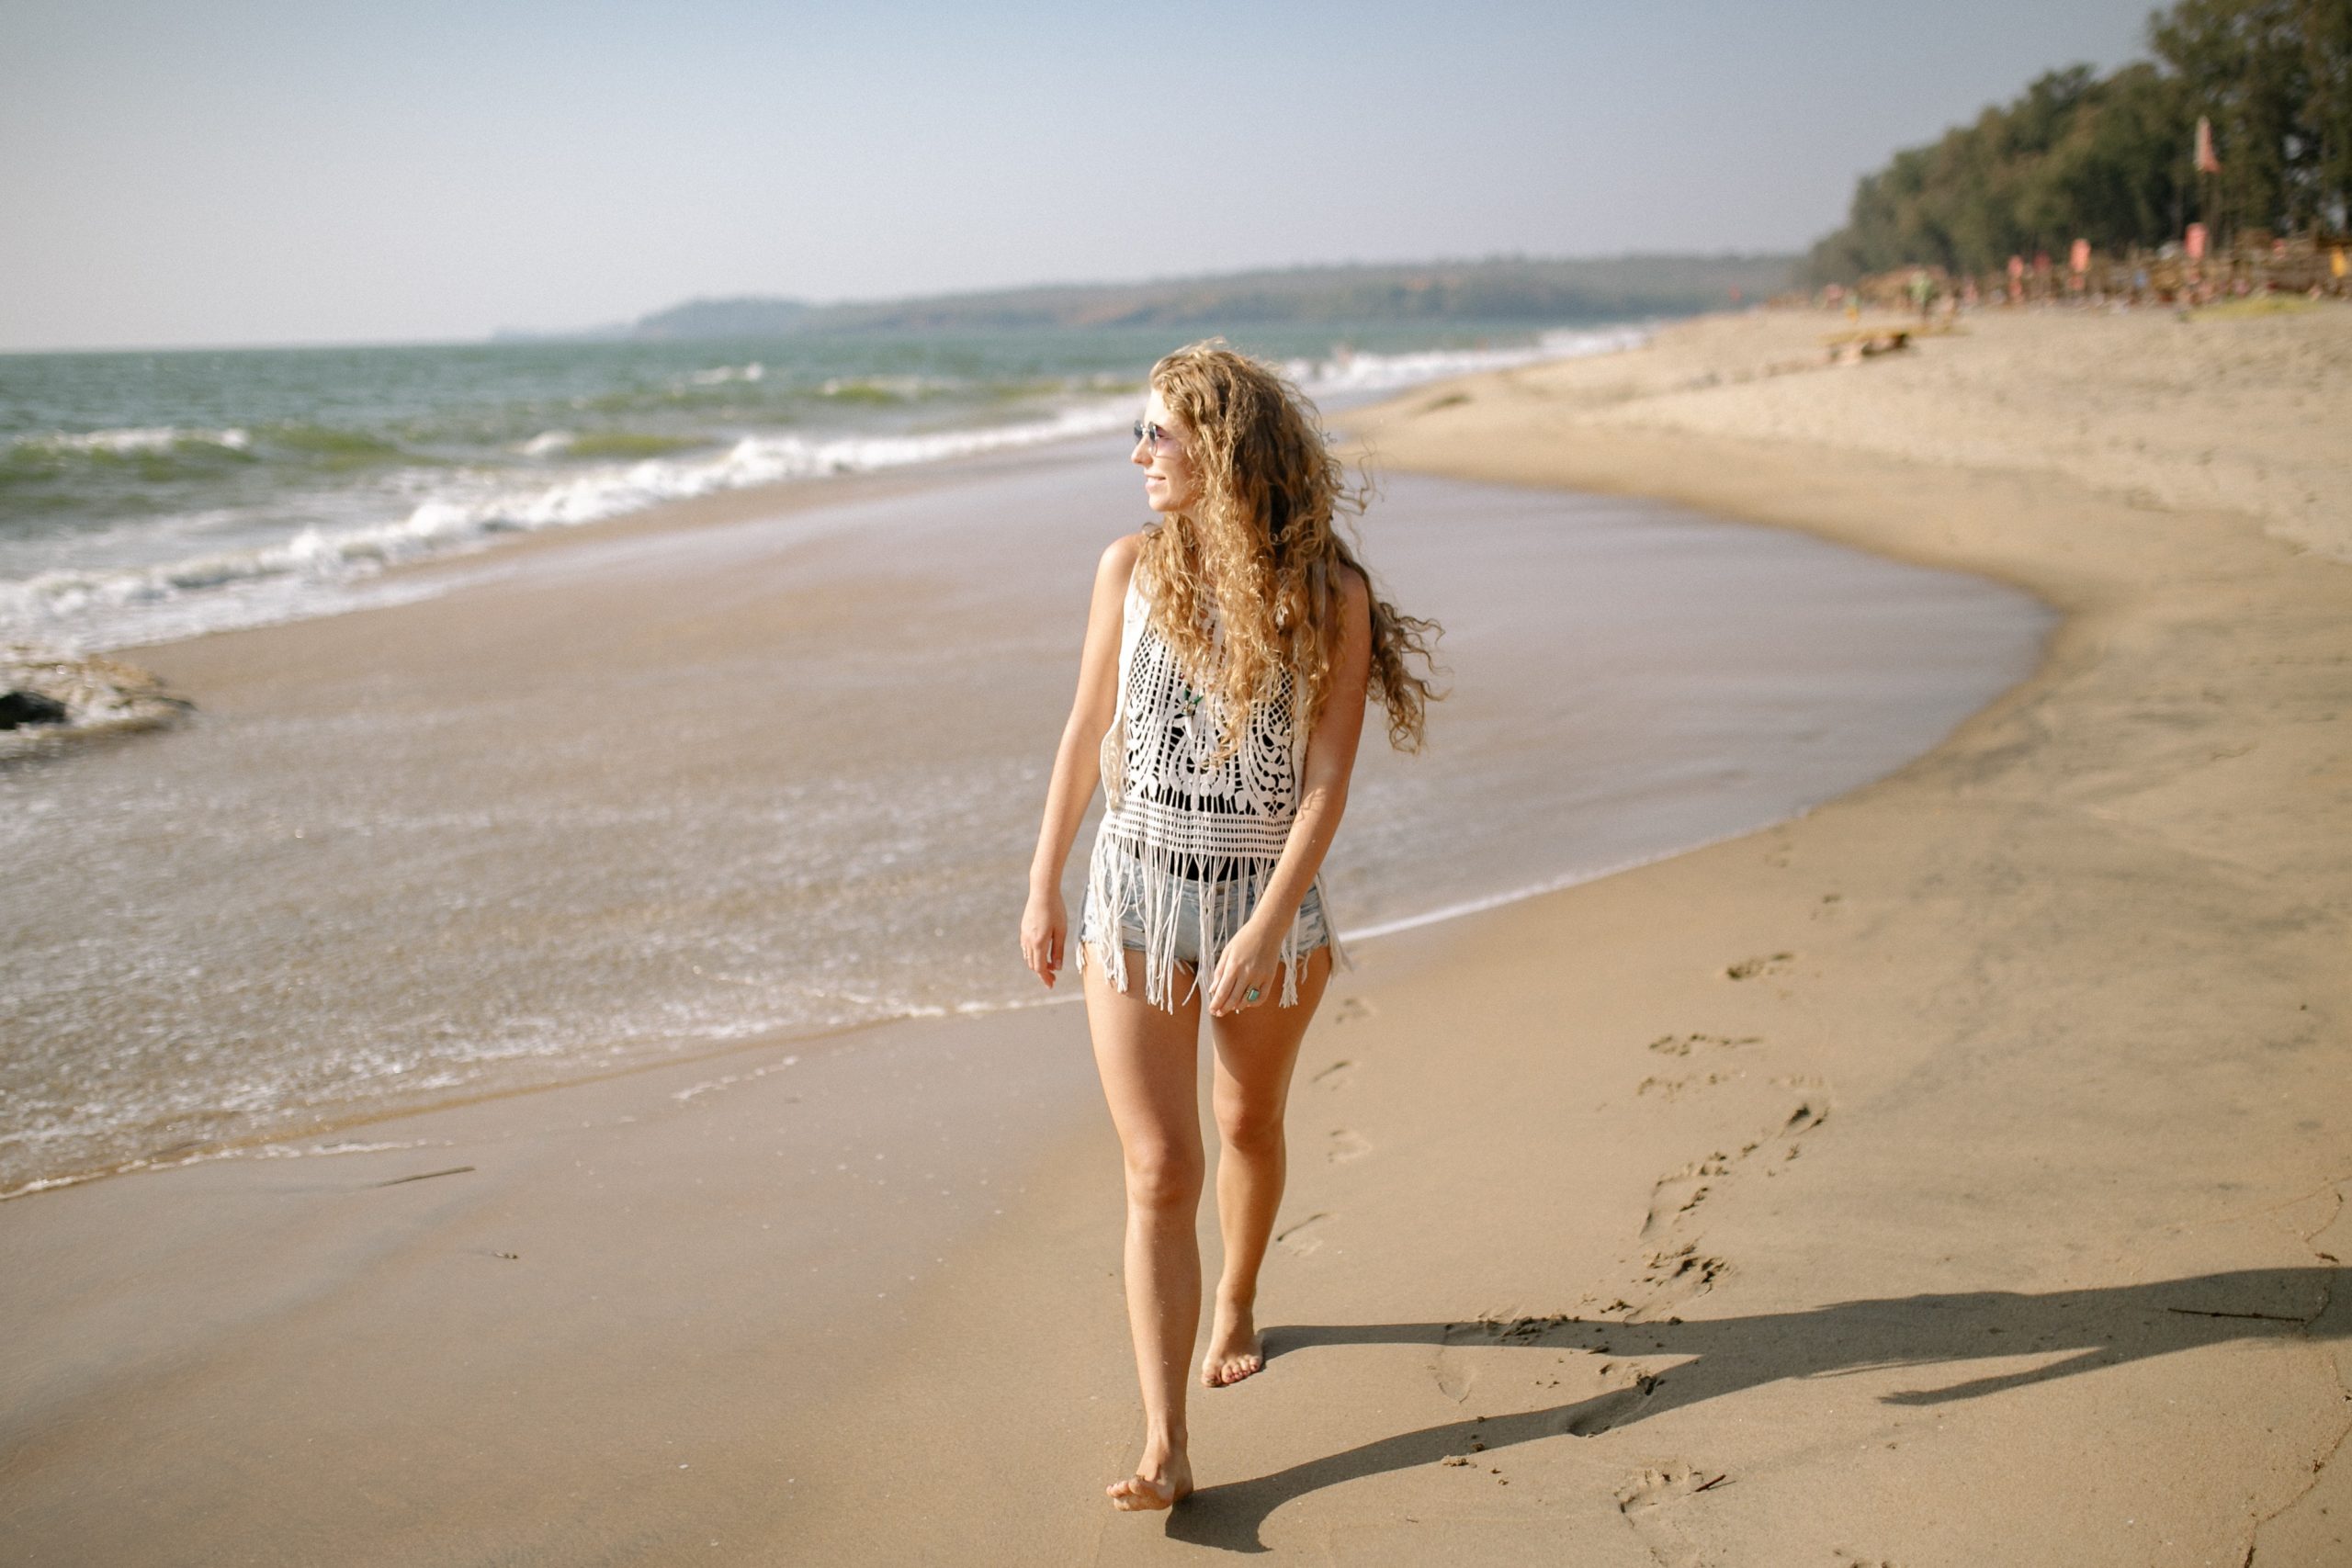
[1078, 762]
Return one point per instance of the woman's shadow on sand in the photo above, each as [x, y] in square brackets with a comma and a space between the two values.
[2102, 1328]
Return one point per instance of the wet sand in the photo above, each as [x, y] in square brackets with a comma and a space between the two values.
[726, 778]
[1953, 1174]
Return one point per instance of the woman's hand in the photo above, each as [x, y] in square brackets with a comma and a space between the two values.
[1250, 962]
[1045, 926]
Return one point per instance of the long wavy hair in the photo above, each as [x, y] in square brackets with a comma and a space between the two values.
[1254, 553]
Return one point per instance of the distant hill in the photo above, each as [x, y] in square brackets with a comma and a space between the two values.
[751, 316]
[1499, 289]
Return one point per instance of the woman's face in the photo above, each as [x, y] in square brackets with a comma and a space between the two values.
[1168, 483]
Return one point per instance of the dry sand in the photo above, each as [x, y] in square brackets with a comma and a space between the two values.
[1955, 1176]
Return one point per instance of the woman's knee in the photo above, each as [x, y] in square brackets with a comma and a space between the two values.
[1248, 1128]
[1163, 1176]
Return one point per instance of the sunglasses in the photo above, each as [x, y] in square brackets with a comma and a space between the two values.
[1160, 436]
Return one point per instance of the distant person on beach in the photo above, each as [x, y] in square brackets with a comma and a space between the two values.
[1923, 292]
[1229, 651]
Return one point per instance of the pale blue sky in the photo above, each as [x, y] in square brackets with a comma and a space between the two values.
[245, 171]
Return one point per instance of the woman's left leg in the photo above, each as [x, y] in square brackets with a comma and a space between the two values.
[1257, 1049]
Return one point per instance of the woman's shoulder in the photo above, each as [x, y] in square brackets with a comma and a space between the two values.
[1352, 586]
[1119, 558]
[1122, 571]
[1116, 580]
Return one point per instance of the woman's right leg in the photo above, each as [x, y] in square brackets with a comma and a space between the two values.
[1256, 1050]
[1148, 1059]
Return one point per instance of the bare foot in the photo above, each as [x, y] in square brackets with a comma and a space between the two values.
[1235, 1348]
[1156, 1483]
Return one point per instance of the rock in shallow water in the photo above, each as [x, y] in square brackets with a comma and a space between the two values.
[46, 694]
[20, 708]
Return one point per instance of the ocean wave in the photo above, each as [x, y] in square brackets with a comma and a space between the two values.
[332, 446]
[721, 374]
[163, 453]
[883, 389]
[607, 444]
[596, 494]
[1349, 372]
[108, 608]
[132, 443]
[316, 569]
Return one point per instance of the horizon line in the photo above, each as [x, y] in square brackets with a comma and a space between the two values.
[495, 335]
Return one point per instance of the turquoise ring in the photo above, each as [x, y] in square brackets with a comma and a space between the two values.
[1251, 995]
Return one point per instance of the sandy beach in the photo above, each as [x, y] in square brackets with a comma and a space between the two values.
[1952, 1175]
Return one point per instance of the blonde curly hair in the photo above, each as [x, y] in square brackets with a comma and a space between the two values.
[1255, 553]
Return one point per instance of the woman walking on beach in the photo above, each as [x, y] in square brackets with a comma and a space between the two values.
[1229, 651]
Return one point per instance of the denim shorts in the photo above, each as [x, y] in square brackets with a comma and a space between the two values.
[1230, 908]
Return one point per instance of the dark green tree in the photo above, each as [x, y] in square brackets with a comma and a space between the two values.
[2074, 157]
[2110, 160]
[2327, 115]
[2242, 63]
[2115, 175]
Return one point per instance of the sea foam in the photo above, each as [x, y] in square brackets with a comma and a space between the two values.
[132, 443]
[322, 568]
[1345, 373]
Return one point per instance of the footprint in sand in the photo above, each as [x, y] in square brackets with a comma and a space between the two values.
[1350, 1010]
[1672, 1275]
[1304, 1238]
[1336, 1076]
[1347, 1145]
[1673, 1278]
[1804, 1119]
[1645, 1499]
[1769, 963]
[1454, 1374]
[1673, 1089]
[1682, 1045]
[1675, 1195]
[1596, 1415]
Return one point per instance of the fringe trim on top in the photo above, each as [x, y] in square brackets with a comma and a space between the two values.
[1119, 879]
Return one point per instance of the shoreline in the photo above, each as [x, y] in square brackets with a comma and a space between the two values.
[2054, 1016]
[662, 794]
[471, 497]
[277, 1144]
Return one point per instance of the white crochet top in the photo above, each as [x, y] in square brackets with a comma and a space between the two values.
[1174, 814]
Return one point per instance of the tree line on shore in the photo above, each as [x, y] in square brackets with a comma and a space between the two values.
[2115, 160]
